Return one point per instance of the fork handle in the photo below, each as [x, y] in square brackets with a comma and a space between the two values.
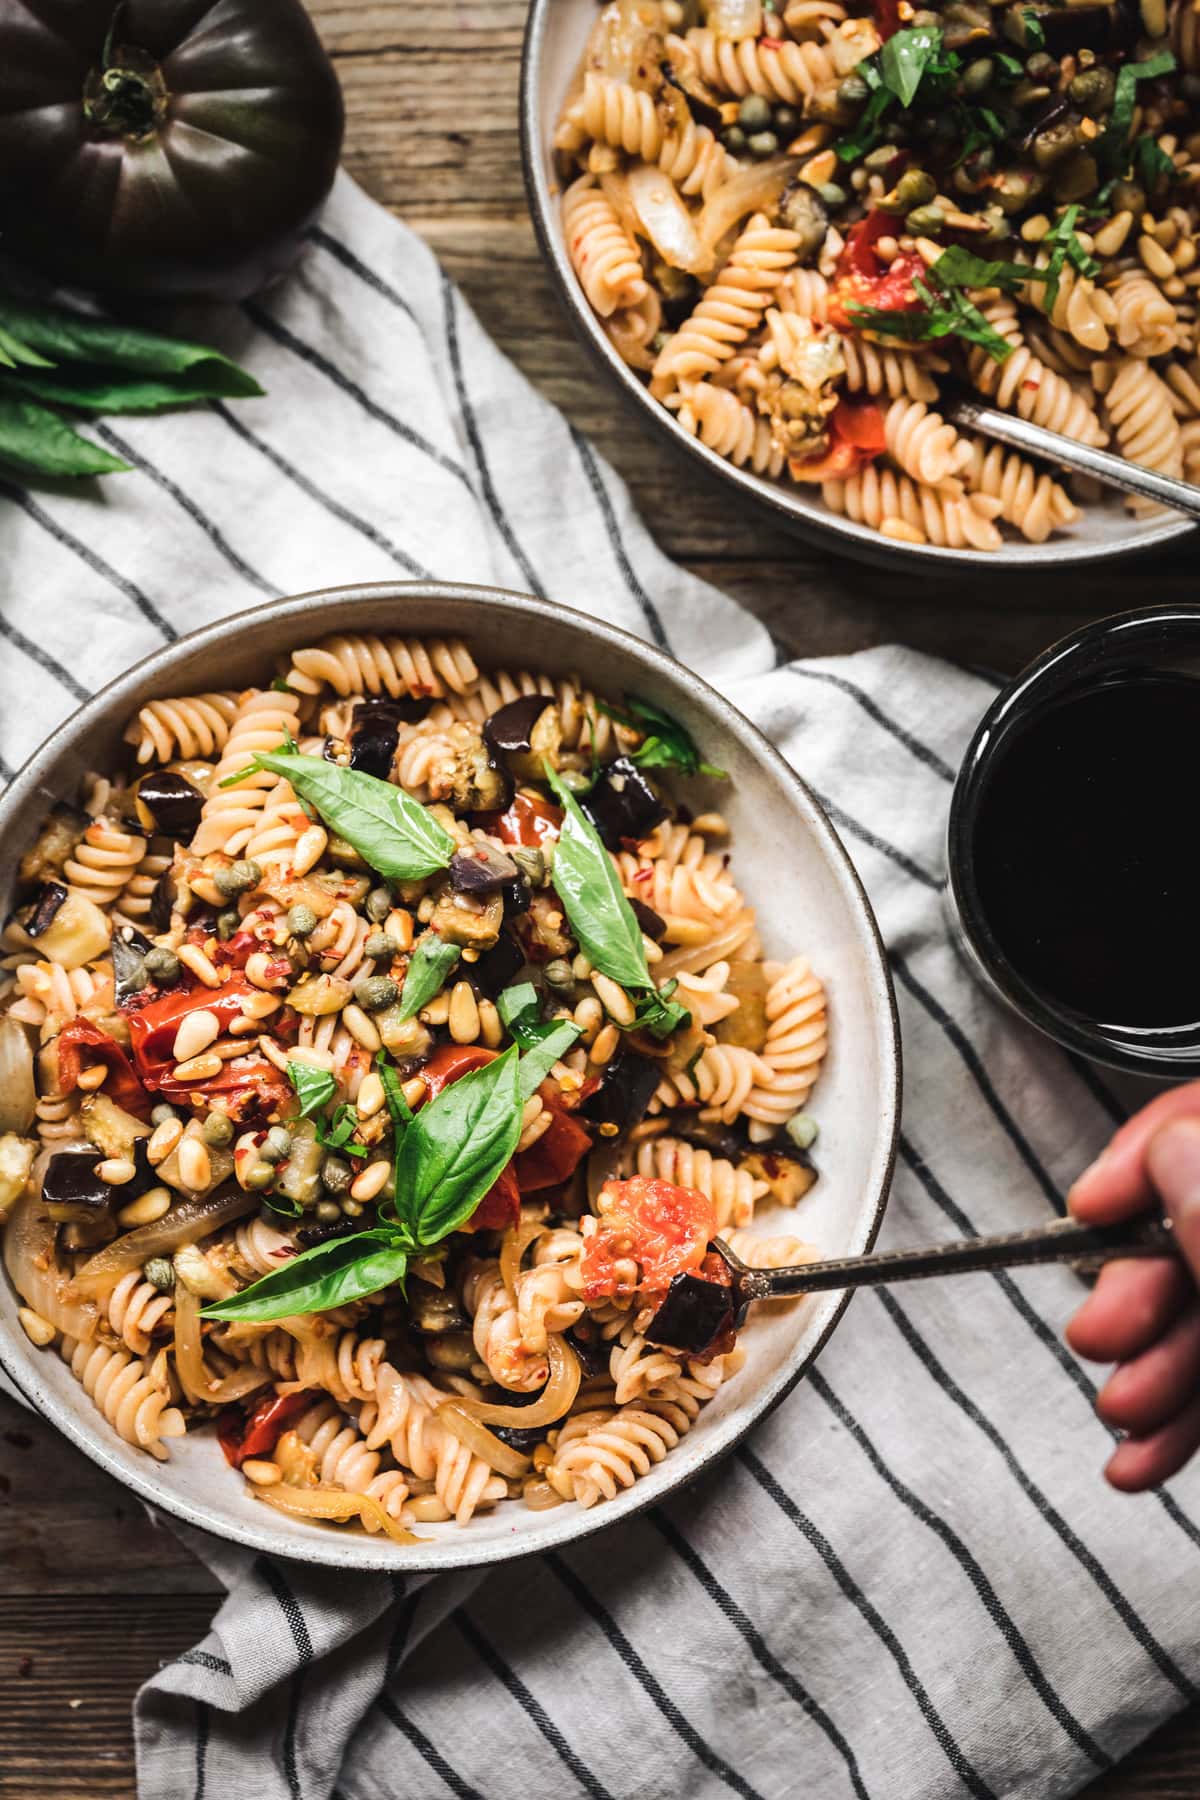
[1061, 1241]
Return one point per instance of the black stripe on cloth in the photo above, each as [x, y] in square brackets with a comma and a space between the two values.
[291, 1770]
[289, 1606]
[646, 605]
[471, 427]
[957, 1759]
[92, 559]
[1124, 1610]
[334, 507]
[407, 434]
[405, 1613]
[531, 1707]
[702, 1751]
[988, 1597]
[763, 1654]
[318, 235]
[429, 1751]
[6, 774]
[874, 711]
[983, 1081]
[204, 1659]
[202, 1729]
[211, 531]
[844, 822]
[42, 658]
[1096, 1088]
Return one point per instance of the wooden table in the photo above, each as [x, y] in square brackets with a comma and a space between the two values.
[92, 1598]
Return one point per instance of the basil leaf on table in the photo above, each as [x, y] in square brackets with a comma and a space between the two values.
[105, 391]
[36, 441]
[432, 960]
[330, 1274]
[456, 1148]
[391, 831]
[544, 1041]
[586, 881]
[315, 1088]
[16, 355]
[70, 337]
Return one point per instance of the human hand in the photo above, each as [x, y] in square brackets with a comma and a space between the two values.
[1145, 1315]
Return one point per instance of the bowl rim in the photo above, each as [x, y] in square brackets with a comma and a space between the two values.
[789, 507]
[18, 1362]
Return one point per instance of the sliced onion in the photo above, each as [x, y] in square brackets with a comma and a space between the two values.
[615, 187]
[754, 189]
[627, 41]
[516, 1241]
[663, 217]
[689, 959]
[539, 1496]
[18, 1094]
[553, 1402]
[735, 18]
[33, 1271]
[332, 1503]
[194, 1378]
[187, 1221]
[483, 1443]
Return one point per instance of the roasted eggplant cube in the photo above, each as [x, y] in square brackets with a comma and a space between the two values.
[623, 803]
[167, 804]
[374, 730]
[693, 1315]
[72, 1192]
[43, 909]
[627, 1086]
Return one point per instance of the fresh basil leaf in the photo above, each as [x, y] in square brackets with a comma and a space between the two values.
[341, 1129]
[70, 337]
[456, 1148]
[658, 1014]
[280, 1203]
[905, 58]
[1151, 163]
[517, 1003]
[959, 268]
[554, 1038]
[1008, 65]
[391, 831]
[865, 134]
[35, 441]
[102, 391]
[589, 887]
[945, 315]
[401, 1111]
[431, 962]
[16, 355]
[315, 1088]
[1113, 146]
[1035, 37]
[667, 744]
[1063, 245]
[330, 1274]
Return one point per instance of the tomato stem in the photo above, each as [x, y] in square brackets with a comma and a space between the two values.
[125, 95]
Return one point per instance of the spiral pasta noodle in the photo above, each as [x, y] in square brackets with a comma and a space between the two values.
[1139, 405]
[137, 1310]
[1022, 382]
[875, 369]
[197, 726]
[397, 666]
[732, 307]
[923, 444]
[1033, 502]
[1079, 307]
[904, 509]
[123, 1390]
[602, 253]
[105, 859]
[615, 113]
[797, 1039]
[725, 424]
[1146, 323]
[229, 817]
[790, 71]
[733, 1191]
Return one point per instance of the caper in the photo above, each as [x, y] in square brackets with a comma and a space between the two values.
[734, 139]
[380, 947]
[1057, 141]
[238, 878]
[376, 992]
[163, 966]
[998, 226]
[786, 119]
[163, 1114]
[1076, 178]
[978, 75]
[853, 90]
[1014, 188]
[1093, 90]
[352, 1209]
[1128, 196]
[259, 1178]
[558, 974]
[915, 188]
[1040, 67]
[763, 143]
[379, 905]
[833, 195]
[531, 863]
[269, 1153]
[335, 1174]
[218, 1129]
[926, 219]
[228, 923]
[328, 1212]
[281, 1137]
[160, 1273]
[802, 1128]
[1028, 94]
[301, 920]
[754, 113]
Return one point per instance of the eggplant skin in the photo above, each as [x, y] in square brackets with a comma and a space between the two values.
[214, 201]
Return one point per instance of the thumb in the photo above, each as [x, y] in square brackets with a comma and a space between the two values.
[1173, 1163]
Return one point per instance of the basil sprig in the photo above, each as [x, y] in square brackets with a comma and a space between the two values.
[391, 831]
[544, 1041]
[432, 960]
[315, 1088]
[1114, 144]
[905, 58]
[946, 314]
[666, 744]
[451, 1153]
[601, 917]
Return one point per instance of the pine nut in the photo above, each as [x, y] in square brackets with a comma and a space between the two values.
[261, 1006]
[581, 968]
[147, 1208]
[589, 1016]
[198, 1068]
[685, 931]
[262, 1474]
[1155, 258]
[371, 1182]
[819, 168]
[615, 1000]
[243, 1027]
[437, 1012]
[192, 957]
[463, 1016]
[491, 1031]
[361, 1028]
[196, 1033]
[163, 1140]
[39, 1331]
[605, 1046]
[273, 1052]
[116, 1170]
[310, 848]
[206, 889]
[93, 1078]
[259, 972]
[1111, 236]
[400, 926]
[316, 1059]
[370, 1099]
[710, 824]
[532, 1133]
[653, 951]
[414, 1090]
[1035, 229]
[1185, 253]
[195, 1165]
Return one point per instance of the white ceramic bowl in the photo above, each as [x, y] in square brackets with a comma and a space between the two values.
[555, 37]
[788, 860]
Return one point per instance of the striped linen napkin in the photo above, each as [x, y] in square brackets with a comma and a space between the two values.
[910, 1581]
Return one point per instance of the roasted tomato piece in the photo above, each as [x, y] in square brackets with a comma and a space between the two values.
[663, 1228]
[557, 1153]
[80, 1044]
[243, 1435]
[528, 819]
[856, 437]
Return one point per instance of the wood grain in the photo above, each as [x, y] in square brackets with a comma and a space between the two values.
[93, 1597]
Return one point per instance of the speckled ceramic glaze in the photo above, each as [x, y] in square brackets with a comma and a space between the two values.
[555, 37]
[789, 862]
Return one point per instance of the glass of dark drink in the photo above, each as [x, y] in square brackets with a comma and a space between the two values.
[1074, 843]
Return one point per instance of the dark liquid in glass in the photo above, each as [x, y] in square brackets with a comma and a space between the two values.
[1087, 852]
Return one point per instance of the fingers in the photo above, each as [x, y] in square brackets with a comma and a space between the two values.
[1131, 1306]
[1143, 1395]
[1118, 1184]
[1173, 1164]
[1144, 1462]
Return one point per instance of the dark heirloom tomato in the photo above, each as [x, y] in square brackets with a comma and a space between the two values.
[164, 147]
